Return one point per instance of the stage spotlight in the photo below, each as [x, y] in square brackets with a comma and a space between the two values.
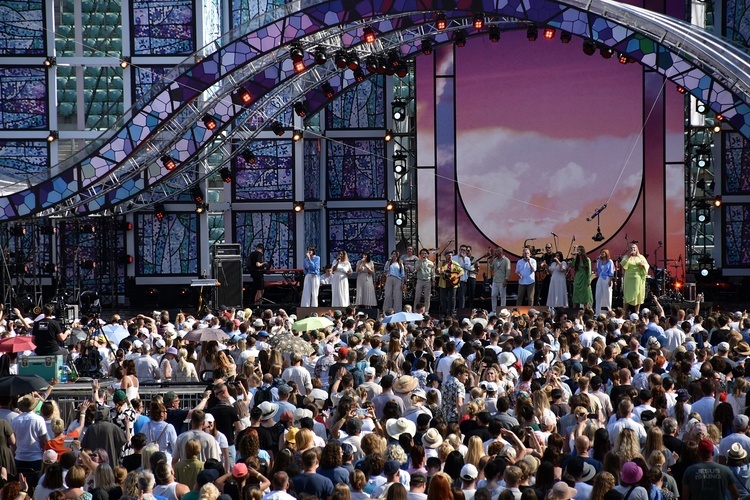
[200, 208]
[368, 34]
[210, 122]
[124, 225]
[399, 168]
[125, 62]
[299, 206]
[702, 216]
[50, 268]
[717, 201]
[549, 32]
[352, 62]
[389, 206]
[168, 162]
[300, 108]
[86, 229]
[383, 66]
[226, 175]
[681, 89]
[153, 292]
[197, 194]
[717, 128]
[459, 38]
[18, 230]
[494, 34]
[320, 57]
[398, 110]
[242, 96]
[19, 268]
[159, 211]
[704, 272]
[702, 162]
[277, 128]
[402, 71]
[248, 156]
[589, 47]
[532, 33]
[606, 52]
[400, 220]
[394, 60]
[426, 47]
[388, 135]
[90, 302]
[327, 90]
[478, 21]
[50, 61]
[371, 64]
[297, 55]
[126, 259]
[88, 264]
[339, 59]
[622, 58]
[359, 75]
[49, 230]
[701, 107]
[565, 37]
[297, 135]
[53, 136]
[720, 118]
[440, 21]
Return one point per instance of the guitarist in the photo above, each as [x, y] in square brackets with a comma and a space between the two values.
[257, 265]
[544, 274]
[450, 278]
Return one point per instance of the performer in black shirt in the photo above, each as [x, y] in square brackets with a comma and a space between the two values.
[48, 333]
[256, 263]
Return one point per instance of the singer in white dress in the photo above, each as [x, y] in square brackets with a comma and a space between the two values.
[341, 269]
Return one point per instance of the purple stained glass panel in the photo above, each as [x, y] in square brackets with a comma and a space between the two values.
[271, 176]
[167, 246]
[736, 235]
[274, 229]
[356, 169]
[146, 76]
[23, 98]
[19, 159]
[245, 10]
[738, 21]
[163, 27]
[360, 107]
[356, 231]
[22, 28]
[312, 169]
[736, 164]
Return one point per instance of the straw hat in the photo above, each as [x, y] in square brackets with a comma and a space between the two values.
[397, 426]
[432, 438]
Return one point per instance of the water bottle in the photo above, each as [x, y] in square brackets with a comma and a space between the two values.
[64, 374]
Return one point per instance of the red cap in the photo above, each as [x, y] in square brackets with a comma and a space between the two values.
[343, 351]
[705, 446]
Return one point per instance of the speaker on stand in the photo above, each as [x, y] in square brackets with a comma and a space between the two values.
[228, 272]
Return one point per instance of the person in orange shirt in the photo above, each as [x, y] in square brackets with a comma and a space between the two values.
[58, 427]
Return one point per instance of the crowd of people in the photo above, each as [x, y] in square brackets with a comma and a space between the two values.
[553, 404]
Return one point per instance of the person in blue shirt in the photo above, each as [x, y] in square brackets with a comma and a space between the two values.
[311, 268]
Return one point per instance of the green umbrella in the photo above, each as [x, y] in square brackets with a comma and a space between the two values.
[311, 323]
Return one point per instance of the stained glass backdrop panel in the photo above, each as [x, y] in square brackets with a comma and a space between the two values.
[736, 164]
[736, 235]
[359, 107]
[19, 159]
[356, 169]
[356, 231]
[312, 169]
[167, 246]
[22, 28]
[163, 27]
[23, 98]
[271, 176]
[274, 229]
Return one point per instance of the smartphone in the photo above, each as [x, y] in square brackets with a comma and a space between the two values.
[361, 411]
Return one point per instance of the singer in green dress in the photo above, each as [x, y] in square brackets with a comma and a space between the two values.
[582, 281]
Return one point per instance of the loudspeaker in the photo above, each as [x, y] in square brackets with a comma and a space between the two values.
[228, 271]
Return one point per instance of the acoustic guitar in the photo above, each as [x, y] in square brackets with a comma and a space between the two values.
[452, 277]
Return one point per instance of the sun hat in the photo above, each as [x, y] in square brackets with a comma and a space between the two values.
[291, 434]
[504, 313]
[239, 470]
[268, 409]
[469, 472]
[736, 452]
[506, 358]
[405, 384]
[432, 438]
[743, 349]
[631, 473]
[561, 491]
[397, 426]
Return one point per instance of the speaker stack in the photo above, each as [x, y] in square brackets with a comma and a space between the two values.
[227, 270]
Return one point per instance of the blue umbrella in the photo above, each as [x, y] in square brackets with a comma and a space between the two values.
[115, 333]
[402, 317]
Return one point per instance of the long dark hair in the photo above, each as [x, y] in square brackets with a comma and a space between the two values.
[581, 258]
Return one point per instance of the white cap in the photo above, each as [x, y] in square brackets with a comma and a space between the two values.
[723, 346]
[469, 472]
[634, 317]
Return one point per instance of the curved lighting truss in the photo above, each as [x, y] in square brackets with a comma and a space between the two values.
[123, 164]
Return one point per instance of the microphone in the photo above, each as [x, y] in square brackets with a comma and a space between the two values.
[660, 243]
[574, 237]
[553, 234]
[531, 239]
[596, 212]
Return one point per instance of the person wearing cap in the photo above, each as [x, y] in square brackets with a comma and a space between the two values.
[707, 479]
[176, 415]
[468, 476]
[739, 436]
[372, 388]
[417, 408]
[417, 486]
[298, 374]
[392, 473]
[449, 272]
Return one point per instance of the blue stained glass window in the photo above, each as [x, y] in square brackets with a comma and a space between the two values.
[167, 246]
[736, 235]
[270, 177]
[163, 27]
[18, 159]
[22, 28]
[23, 98]
[738, 22]
[274, 229]
[736, 163]
[245, 10]
[146, 76]
[312, 228]
[359, 107]
[356, 169]
[356, 231]
[312, 169]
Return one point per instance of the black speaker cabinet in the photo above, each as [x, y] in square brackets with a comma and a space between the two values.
[228, 272]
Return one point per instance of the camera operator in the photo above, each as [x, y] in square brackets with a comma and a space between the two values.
[48, 334]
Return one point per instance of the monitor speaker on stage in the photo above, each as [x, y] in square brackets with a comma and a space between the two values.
[228, 272]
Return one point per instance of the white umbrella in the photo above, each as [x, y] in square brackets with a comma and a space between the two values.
[115, 333]
[402, 317]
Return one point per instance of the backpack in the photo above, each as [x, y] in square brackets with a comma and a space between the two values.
[262, 395]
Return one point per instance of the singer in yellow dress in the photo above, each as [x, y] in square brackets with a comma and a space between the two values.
[635, 267]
